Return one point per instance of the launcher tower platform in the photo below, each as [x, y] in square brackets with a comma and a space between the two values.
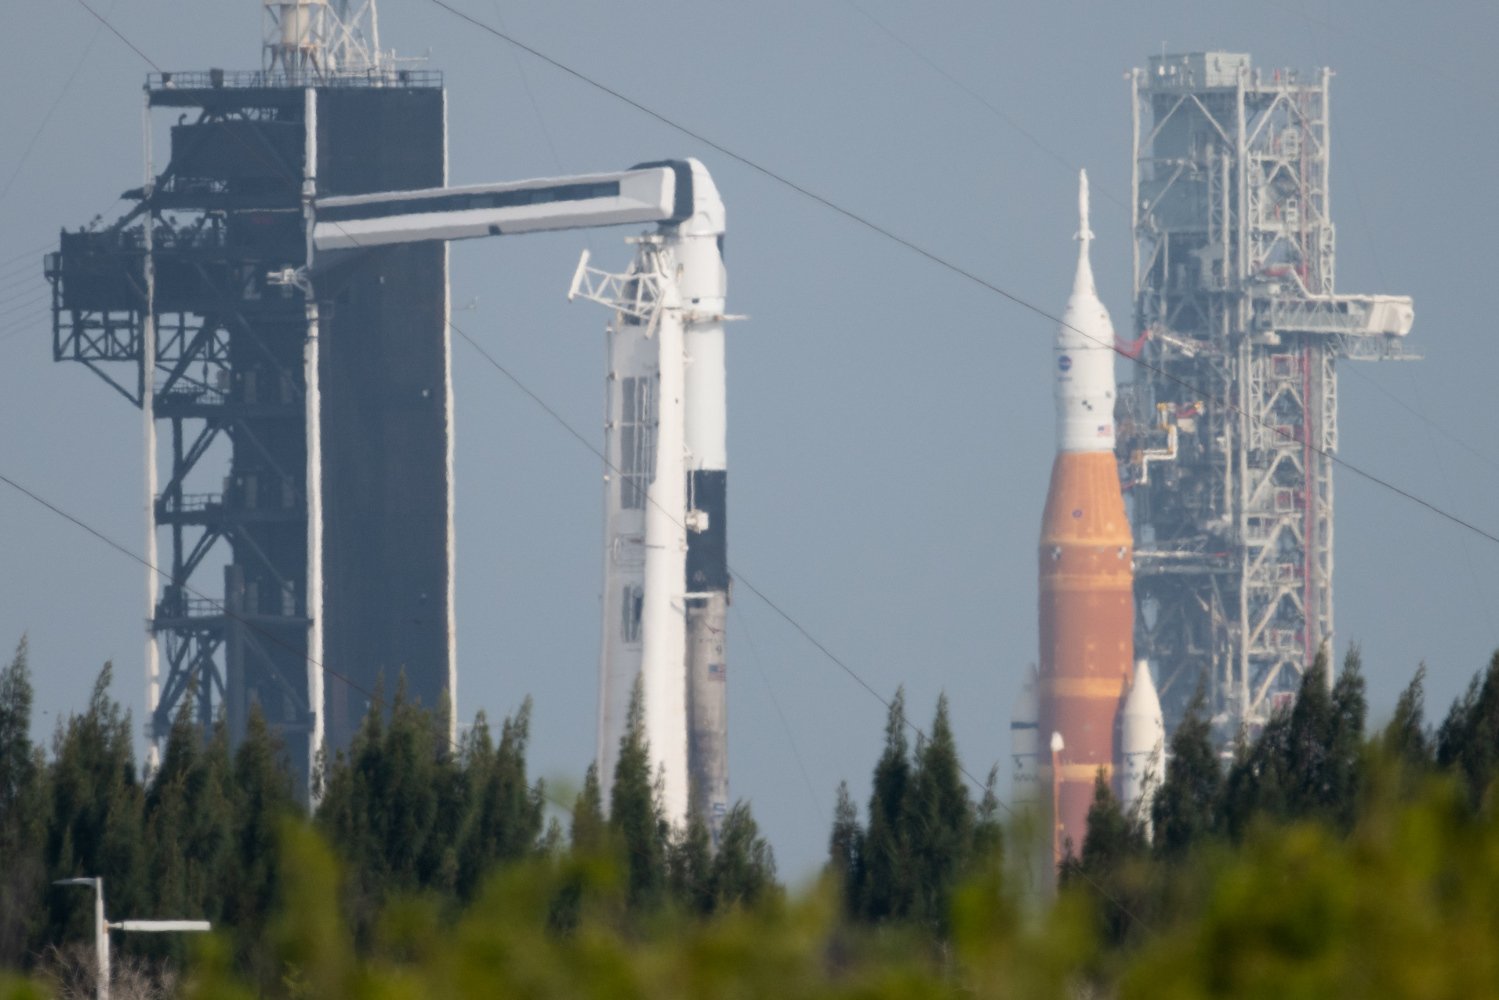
[1228, 433]
[294, 578]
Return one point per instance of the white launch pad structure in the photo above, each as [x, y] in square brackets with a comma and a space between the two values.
[1228, 433]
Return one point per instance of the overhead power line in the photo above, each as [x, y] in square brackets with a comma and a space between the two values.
[116, 32]
[946, 263]
[52, 110]
[994, 109]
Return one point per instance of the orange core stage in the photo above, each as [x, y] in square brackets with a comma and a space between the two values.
[1087, 634]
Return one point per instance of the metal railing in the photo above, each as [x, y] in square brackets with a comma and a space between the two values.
[189, 503]
[217, 79]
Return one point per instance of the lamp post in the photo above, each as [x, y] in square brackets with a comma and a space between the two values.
[102, 927]
[1057, 746]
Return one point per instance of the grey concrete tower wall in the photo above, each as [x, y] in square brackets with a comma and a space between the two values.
[384, 373]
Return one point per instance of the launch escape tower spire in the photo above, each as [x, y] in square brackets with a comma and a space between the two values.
[1227, 433]
[175, 305]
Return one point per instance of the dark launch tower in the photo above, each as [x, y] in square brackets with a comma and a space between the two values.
[177, 306]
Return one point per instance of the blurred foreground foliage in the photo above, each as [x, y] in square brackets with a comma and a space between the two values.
[1320, 860]
[508, 943]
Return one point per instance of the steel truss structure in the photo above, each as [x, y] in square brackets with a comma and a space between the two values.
[1235, 406]
[181, 306]
[171, 306]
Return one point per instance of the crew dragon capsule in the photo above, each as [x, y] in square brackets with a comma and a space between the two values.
[1086, 577]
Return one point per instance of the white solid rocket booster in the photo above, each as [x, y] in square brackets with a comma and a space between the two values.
[1025, 745]
[1142, 744]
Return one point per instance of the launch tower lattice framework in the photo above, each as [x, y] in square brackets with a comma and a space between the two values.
[1228, 432]
[308, 441]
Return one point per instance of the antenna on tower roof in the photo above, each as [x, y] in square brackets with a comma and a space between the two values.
[312, 39]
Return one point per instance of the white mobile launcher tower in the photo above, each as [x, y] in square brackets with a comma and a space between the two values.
[1229, 432]
[666, 581]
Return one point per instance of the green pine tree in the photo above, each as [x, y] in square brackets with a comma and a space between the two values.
[846, 849]
[1336, 795]
[635, 817]
[263, 802]
[588, 832]
[1114, 842]
[22, 814]
[988, 830]
[689, 861]
[743, 869]
[168, 812]
[888, 888]
[940, 822]
[1468, 740]
[1405, 738]
[504, 812]
[399, 808]
[95, 822]
[1186, 807]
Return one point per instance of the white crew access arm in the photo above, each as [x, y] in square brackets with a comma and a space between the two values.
[648, 193]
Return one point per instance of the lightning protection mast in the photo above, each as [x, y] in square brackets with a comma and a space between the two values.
[1228, 432]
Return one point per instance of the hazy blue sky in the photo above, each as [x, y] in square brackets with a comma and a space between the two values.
[890, 424]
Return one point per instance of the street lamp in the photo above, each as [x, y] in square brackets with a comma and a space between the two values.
[102, 928]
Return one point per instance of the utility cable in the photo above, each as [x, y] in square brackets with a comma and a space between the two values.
[775, 702]
[26, 260]
[25, 257]
[914, 247]
[539, 787]
[56, 101]
[22, 325]
[37, 298]
[116, 32]
[952, 266]
[21, 278]
[983, 101]
[25, 265]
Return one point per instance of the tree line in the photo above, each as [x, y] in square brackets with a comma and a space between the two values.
[408, 812]
[1311, 829]
[1312, 858]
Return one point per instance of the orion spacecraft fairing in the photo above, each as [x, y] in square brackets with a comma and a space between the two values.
[1086, 603]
